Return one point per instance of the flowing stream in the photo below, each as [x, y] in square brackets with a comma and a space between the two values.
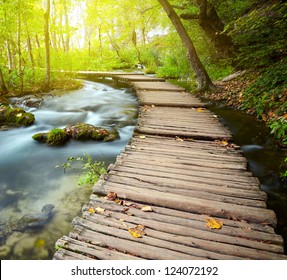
[28, 177]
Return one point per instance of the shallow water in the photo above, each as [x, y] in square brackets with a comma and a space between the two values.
[265, 158]
[28, 177]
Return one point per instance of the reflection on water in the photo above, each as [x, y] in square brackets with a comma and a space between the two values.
[28, 177]
[264, 159]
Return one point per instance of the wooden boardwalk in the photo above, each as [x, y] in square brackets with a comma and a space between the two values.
[178, 177]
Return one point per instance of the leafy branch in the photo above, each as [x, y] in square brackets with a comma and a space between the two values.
[90, 170]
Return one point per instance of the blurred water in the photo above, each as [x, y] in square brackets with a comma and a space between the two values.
[28, 177]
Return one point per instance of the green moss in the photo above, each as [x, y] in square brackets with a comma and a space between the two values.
[41, 137]
[83, 131]
[113, 135]
[57, 136]
[16, 116]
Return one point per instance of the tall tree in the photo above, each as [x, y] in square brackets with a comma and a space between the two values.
[203, 79]
[47, 44]
[3, 88]
[210, 23]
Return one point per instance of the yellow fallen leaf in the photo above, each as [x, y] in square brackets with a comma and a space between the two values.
[137, 232]
[146, 209]
[224, 143]
[142, 137]
[92, 210]
[214, 224]
[200, 110]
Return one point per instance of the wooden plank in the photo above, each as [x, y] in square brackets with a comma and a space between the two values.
[168, 99]
[166, 86]
[137, 78]
[63, 254]
[185, 187]
[186, 152]
[182, 170]
[181, 159]
[179, 122]
[97, 224]
[94, 250]
[195, 192]
[205, 146]
[239, 175]
[199, 246]
[233, 228]
[236, 228]
[190, 204]
[186, 178]
[131, 247]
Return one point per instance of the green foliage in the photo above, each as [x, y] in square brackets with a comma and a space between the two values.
[268, 92]
[90, 170]
[279, 128]
[56, 136]
[260, 35]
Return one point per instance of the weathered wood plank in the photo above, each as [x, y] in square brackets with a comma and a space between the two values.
[181, 159]
[190, 204]
[182, 170]
[168, 99]
[63, 254]
[130, 247]
[97, 224]
[185, 187]
[96, 250]
[137, 78]
[233, 228]
[186, 178]
[199, 246]
[166, 86]
[195, 192]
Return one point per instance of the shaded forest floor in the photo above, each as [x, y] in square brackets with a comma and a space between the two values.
[233, 92]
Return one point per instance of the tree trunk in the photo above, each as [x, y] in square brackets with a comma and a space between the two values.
[20, 70]
[47, 46]
[213, 27]
[67, 27]
[3, 88]
[204, 81]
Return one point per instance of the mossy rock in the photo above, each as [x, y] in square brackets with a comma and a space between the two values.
[41, 137]
[83, 131]
[16, 116]
[56, 137]
[113, 135]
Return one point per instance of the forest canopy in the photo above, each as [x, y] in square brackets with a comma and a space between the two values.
[107, 35]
